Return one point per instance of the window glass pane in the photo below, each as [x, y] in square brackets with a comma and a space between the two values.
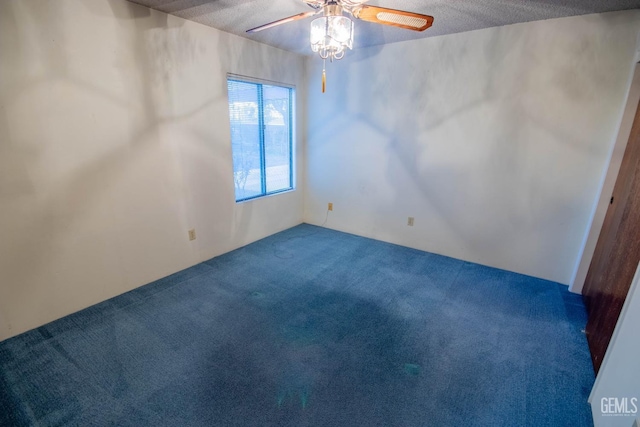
[277, 137]
[261, 138]
[245, 138]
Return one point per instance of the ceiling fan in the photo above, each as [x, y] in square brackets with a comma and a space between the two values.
[332, 33]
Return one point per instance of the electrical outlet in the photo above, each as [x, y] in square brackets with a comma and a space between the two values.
[192, 234]
[410, 221]
[330, 207]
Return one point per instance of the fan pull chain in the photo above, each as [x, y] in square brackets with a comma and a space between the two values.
[324, 76]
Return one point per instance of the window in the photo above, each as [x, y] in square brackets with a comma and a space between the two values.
[261, 137]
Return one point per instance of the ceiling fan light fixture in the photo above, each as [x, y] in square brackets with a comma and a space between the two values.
[331, 35]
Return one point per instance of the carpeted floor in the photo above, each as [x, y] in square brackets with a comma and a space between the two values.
[311, 327]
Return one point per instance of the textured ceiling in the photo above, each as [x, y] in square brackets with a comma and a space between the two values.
[451, 16]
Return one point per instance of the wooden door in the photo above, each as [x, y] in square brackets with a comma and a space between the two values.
[617, 252]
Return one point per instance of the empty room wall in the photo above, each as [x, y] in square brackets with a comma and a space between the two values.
[495, 140]
[114, 141]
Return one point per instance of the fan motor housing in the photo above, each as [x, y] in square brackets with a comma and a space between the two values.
[332, 9]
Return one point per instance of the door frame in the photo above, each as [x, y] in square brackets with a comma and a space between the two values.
[608, 180]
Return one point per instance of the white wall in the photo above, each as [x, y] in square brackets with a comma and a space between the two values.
[619, 376]
[114, 141]
[494, 140]
[609, 180]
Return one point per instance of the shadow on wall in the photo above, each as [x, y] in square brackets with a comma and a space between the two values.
[150, 52]
[501, 95]
[267, 64]
[374, 107]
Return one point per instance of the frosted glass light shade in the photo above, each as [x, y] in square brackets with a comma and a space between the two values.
[330, 35]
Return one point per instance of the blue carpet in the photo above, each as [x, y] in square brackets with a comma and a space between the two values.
[311, 327]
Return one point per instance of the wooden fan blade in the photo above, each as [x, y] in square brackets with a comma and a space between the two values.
[283, 21]
[396, 18]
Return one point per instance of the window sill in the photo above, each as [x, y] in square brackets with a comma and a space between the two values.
[275, 193]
